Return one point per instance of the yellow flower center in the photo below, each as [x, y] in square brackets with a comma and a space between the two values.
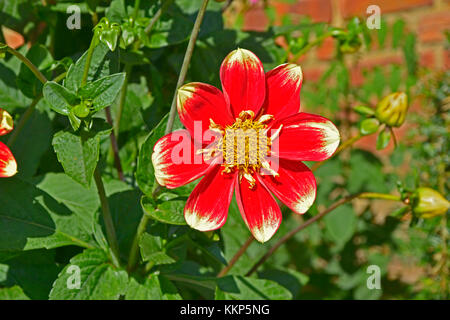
[244, 145]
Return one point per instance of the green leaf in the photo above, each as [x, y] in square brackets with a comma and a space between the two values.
[170, 212]
[409, 51]
[364, 110]
[79, 153]
[383, 139]
[116, 11]
[341, 224]
[27, 81]
[151, 250]
[244, 288]
[30, 219]
[13, 293]
[60, 99]
[99, 279]
[103, 91]
[103, 63]
[21, 269]
[369, 126]
[145, 173]
[155, 287]
[397, 33]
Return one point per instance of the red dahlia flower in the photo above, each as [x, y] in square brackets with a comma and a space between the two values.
[260, 139]
[8, 165]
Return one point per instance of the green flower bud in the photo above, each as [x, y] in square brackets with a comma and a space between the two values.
[81, 110]
[428, 203]
[392, 109]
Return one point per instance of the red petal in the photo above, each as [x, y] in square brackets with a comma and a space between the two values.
[175, 160]
[201, 102]
[207, 206]
[6, 122]
[306, 137]
[8, 165]
[259, 209]
[243, 81]
[283, 90]
[295, 186]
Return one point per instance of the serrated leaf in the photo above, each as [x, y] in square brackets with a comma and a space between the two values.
[103, 91]
[60, 99]
[79, 153]
[154, 287]
[103, 63]
[238, 287]
[171, 211]
[99, 279]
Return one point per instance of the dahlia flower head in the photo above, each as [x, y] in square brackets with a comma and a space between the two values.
[8, 165]
[249, 139]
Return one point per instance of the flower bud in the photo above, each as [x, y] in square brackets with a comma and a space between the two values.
[428, 203]
[6, 122]
[392, 109]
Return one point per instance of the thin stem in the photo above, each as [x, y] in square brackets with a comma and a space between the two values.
[236, 257]
[23, 120]
[137, 3]
[287, 236]
[310, 45]
[114, 146]
[134, 253]
[187, 58]
[123, 96]
[157, 15]
[343, 146]
[185, 66]
[28, 63]
[88, 60]
[107, 218]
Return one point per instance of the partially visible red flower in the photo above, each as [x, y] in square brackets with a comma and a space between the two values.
[8, 165]
[265, 105]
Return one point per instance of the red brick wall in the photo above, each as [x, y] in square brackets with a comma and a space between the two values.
[427, 18]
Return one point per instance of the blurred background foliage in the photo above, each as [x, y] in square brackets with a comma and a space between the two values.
[329, 259]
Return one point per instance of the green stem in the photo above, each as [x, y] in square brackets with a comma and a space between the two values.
[107, 218]
[88, 60]
[287, 236]
[137, 4]
[187, 58]
[123, 96]
[310, 45]
[134, 253]
[185, 66]
[28, 63]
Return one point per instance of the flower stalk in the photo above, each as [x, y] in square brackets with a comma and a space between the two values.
[364, 195]
[133, 259]
[28, 63]
[107, 218]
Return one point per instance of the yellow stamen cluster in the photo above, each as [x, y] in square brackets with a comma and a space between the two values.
[244, 145]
